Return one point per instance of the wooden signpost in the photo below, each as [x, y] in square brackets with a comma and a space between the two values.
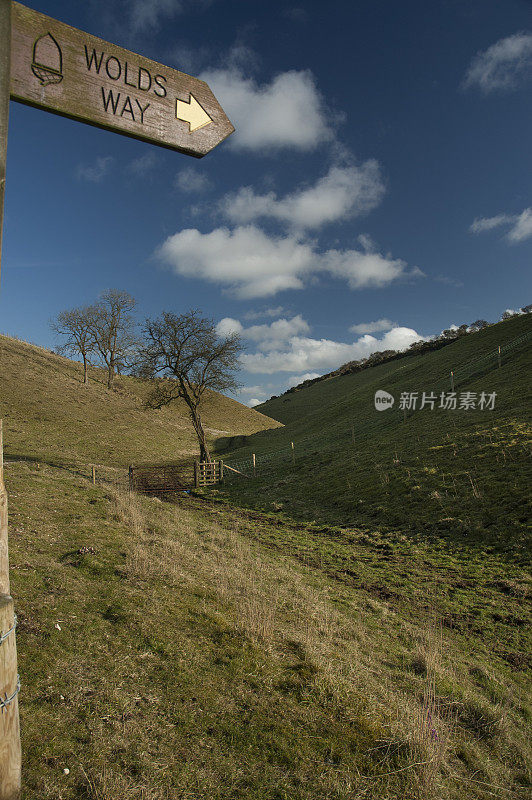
[49, 65]
[68, 72]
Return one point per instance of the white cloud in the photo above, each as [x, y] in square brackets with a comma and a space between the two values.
[343, 193]
[288, 112]
[249, 263]
[268, 337]
[265, 312]
[254, 402]
[148, 14]
[191, 180]
[142, 166]
[295, 380]
[372, 327]
[363, 270]
[523, 227]
[252, 390]
[520, 225]
[504, 65]
[481, 224]
[272, 336]
[304, 354]
[96, 172]
[228, 326]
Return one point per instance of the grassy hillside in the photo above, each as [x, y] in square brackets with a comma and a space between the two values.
[451, 472]
[50, 416]
[430, 368]
[196, 649]
[192, 651]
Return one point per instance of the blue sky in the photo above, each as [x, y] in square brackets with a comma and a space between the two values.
[377, 188]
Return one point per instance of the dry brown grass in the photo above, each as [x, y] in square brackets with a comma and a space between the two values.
[279, 607]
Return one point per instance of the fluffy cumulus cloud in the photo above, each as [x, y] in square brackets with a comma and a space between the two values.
[288, 112]
[519, 225]
[286, 346]
[94, 173]
[254, 402]
[304, 354]
[228, 326]
[251, 264]
[344, 192]
[503, 66]
[268, 337]
[192, 180]
[372, 327]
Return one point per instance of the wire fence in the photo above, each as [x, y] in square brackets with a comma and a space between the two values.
[366, 423]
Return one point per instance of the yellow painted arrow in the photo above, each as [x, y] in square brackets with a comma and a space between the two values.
[192, 113]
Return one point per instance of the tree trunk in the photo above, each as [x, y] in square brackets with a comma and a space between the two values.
[85, 370]
[200, 433]
[110, 374]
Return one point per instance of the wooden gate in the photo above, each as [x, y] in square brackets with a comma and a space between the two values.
[208, 472]
[159, 478]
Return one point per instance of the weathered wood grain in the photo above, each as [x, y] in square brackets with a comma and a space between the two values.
[66, 71]
[10, 757]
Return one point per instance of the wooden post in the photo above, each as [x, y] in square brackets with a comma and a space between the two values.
[9, 717]
[10, 756]
[4, 555]
[499, 356]
[221, 465]
[93, 475]
[293, 453]
[196, 474]
[452, 381]
[254, 464]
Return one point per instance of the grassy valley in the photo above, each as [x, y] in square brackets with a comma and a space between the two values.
[352, 623]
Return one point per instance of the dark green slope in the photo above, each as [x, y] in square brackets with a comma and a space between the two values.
[461, 471]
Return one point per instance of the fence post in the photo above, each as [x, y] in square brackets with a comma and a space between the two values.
[9, 720]
[293, 454]
[94, 475]
[254, 465]
[499, 356]
[221, 465]
[452, 381]
[10, 756]
[196, 475]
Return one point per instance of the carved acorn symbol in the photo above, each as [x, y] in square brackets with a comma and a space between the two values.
[47, 63]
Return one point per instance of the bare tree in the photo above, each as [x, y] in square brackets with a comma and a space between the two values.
[113, 330]
[76, 326]
[187, 357]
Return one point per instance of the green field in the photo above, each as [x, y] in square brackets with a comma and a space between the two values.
[461, 474]
[351, 625]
